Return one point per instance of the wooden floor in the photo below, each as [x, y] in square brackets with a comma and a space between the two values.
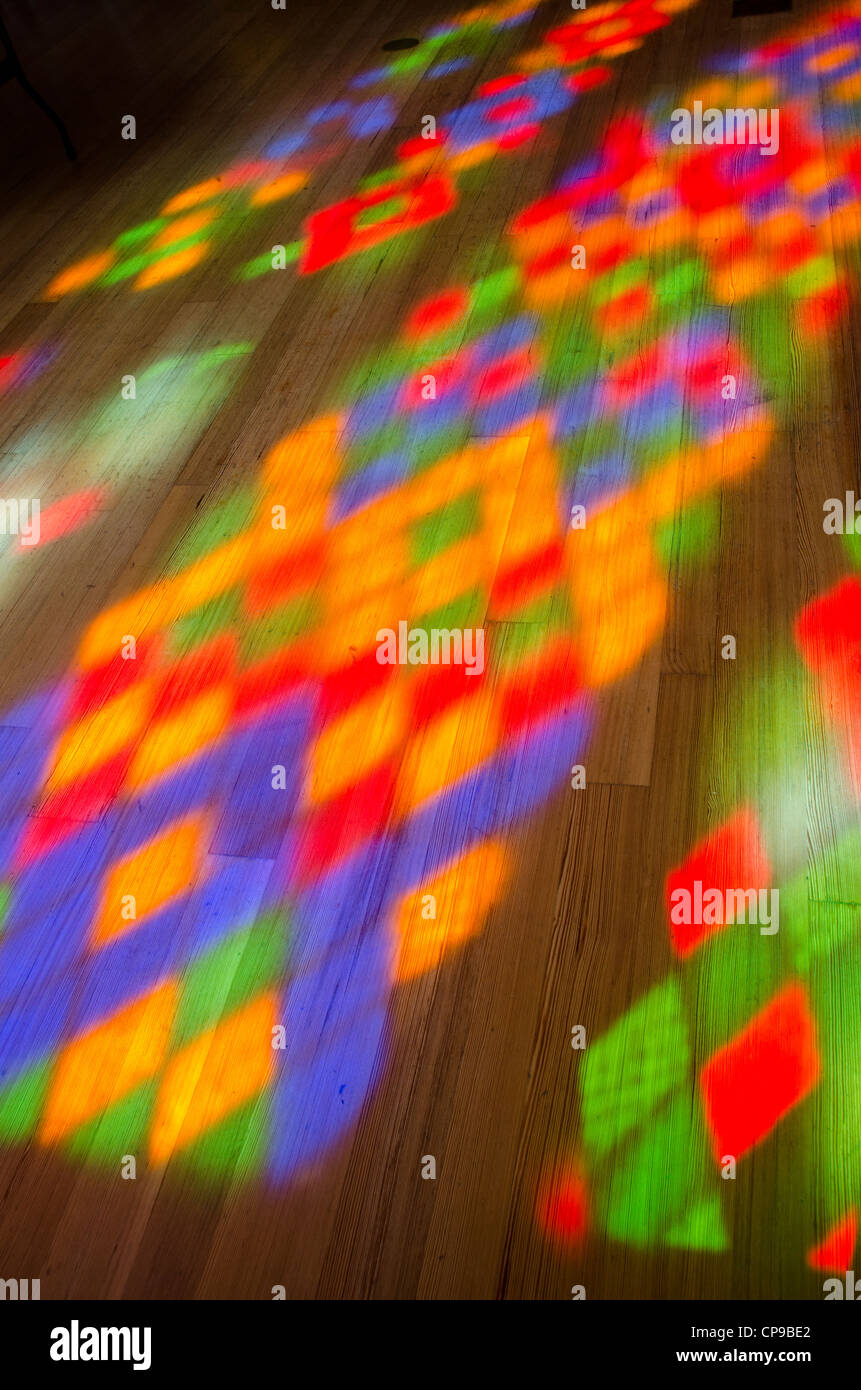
[361, 980]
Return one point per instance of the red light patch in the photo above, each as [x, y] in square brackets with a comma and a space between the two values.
[759, 1076]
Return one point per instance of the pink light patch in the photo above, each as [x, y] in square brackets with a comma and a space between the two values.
[67, 515]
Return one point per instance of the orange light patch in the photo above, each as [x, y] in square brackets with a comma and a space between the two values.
[812, 177]
[277, 189]
[743, 279]
[152, 875]
[478, 154]
[218, 1072]
[834, 58]
[448, 748]
[172, 740]
[558, 285]
[618, 592]
[352, 631]
[759, 91]
[846, 224]
[81, 274]
[310, 456]
[676, 227]
[618, 633]
[538, 59]
[199, 193]
[352, 746]
[163, 603]
[358, 571]
[617, 50]
[97, 738]
[782, 227]
[721, 226]
[456, 571]
[171, 267]
[107, 1063]
[185, 226]
[719, 92]
[848, 88]
[465, 892]
[205, 580]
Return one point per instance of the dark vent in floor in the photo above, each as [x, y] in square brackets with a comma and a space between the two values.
[743, 9]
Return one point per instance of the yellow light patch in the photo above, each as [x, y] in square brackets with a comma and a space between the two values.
[108, 1062]
[171, 267]
[354, 744]
[309, 458]
[447, 748]
[455, 572]
[185, 226]
[353, 622]
[620, 632]
[279, 188]
[170, 741]
[97, 738]
[205, 580]
[464, 893]
[81, 274]
[214, 1075]
[158, 871]
[199, 193]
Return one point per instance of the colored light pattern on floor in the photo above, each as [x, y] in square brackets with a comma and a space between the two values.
[18, 369]
[647, 1171]
[158, 775]
[260, 651]
[135, 794]
[504, 114]
[113, 441]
